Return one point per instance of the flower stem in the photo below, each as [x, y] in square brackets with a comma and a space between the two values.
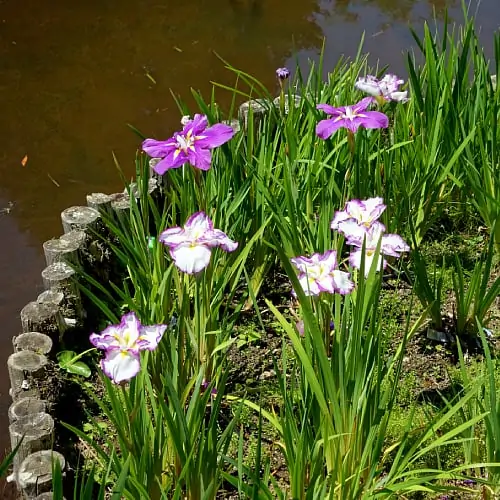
[200, 190]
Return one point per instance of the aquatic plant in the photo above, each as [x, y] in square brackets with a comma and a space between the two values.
[122, 344]
[283, 73]
[363, 212]
[370, 238]
[318, 273]
[192, 145]
[190, 246]
[384, 90]
[350, 117]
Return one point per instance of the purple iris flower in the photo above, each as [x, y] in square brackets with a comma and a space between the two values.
[318, 273]
[364, 212]
[386, 89]
[283, 73]
[191, 145]
[390, 244]
[350, 117]
[191, 245]
[122, 344]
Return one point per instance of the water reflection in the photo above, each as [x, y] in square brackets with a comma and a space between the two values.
[20, 281]
[401, 11]
[384, 25]
[75, 73]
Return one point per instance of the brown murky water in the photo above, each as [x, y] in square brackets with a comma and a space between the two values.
[73, 74]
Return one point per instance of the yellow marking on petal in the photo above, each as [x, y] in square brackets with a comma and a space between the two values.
[176, 153]
[126, 336]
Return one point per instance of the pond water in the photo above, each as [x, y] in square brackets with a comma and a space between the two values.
[74, 74]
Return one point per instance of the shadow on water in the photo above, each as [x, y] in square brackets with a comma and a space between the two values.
[73, 74]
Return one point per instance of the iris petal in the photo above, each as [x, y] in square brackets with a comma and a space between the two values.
[326, 128]
[200, 157]
[151, 336]
[199, 221]
[373, 119]
[172, 236]
[157, 149]
[342, 283]
[120, 366]
[215, 136]
[191, 259]
[331, 110]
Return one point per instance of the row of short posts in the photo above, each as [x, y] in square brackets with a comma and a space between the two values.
[45, 322]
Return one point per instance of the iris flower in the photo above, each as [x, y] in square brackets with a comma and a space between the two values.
[318, 273]
[191, 145]
[350, 117]
[191, 245]
[283, 73]
[122, 344]
[387, 88]
[391, 244]
[364, 212]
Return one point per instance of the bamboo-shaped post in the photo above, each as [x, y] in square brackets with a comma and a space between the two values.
[294, 100]
[35, 432]
[27, 372]
[79, 218]
[88, 220]
[46, 496]
[34, 476]
[255, 110]
[24, 407]
[67, 248]
[44, 318]
[32, 341]
[234, 124]
[100, 201]
[51, 297]
[61, 277]
[133, 188]
[120, 206]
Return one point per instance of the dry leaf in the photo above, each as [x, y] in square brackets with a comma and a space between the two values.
[24, 160]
